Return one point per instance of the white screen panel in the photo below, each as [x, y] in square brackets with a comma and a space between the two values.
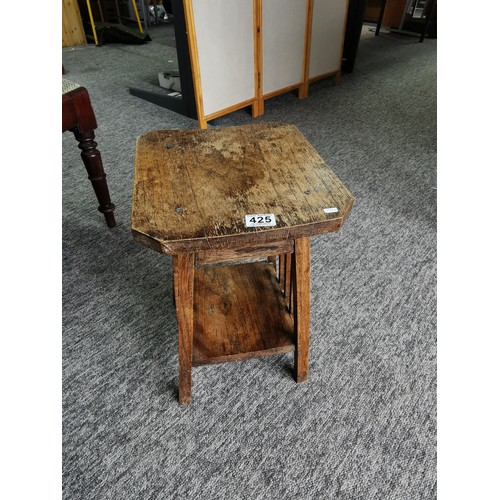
[327, 36]
[283, 38]
[225, 40]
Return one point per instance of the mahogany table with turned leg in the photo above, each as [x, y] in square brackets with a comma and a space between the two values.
[226, 203]
[78, 116]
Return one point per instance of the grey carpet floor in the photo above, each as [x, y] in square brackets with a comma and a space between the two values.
[364, 425]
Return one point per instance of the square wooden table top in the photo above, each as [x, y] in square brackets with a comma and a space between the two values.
[193, 188]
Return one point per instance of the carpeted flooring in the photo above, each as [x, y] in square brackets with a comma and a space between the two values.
[364, 425]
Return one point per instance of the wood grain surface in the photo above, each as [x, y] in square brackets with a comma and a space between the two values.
[239, 313]
[301, 296]
[252, 252]
[73, 32]
[183, 266]
[193, 188]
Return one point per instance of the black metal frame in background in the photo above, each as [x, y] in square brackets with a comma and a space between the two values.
[186, 104]
[354, 25]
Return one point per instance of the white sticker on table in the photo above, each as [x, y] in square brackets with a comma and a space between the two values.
[260, 220]
[331, 210]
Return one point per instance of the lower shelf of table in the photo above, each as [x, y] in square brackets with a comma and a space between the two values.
[239, 313]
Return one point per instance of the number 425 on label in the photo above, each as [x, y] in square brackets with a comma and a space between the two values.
[260, 220]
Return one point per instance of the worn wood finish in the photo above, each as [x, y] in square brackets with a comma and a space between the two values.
[225, 255]
[301, 306]
[193, 188]
[183, 267]
[78, 117]
[239, 313]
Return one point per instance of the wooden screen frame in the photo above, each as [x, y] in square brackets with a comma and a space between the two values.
[257, 102]
[203, 119]
[299, 84]
[335, 74]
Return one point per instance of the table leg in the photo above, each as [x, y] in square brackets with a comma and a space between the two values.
[91, 157]
[281, 271]
[288, 281]
[380, 17]
[301, 306]
[183, 266]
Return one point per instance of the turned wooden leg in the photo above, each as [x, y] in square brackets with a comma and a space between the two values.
[301, 306]
[183, 266]
[93, 163]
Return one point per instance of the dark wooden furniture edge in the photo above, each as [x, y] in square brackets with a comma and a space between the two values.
[78, 117]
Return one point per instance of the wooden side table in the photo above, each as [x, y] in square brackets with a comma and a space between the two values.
[226, 203]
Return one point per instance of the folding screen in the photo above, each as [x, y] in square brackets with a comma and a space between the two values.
[283, 45]
[329, 17]
[245, 51]
[221, 36]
